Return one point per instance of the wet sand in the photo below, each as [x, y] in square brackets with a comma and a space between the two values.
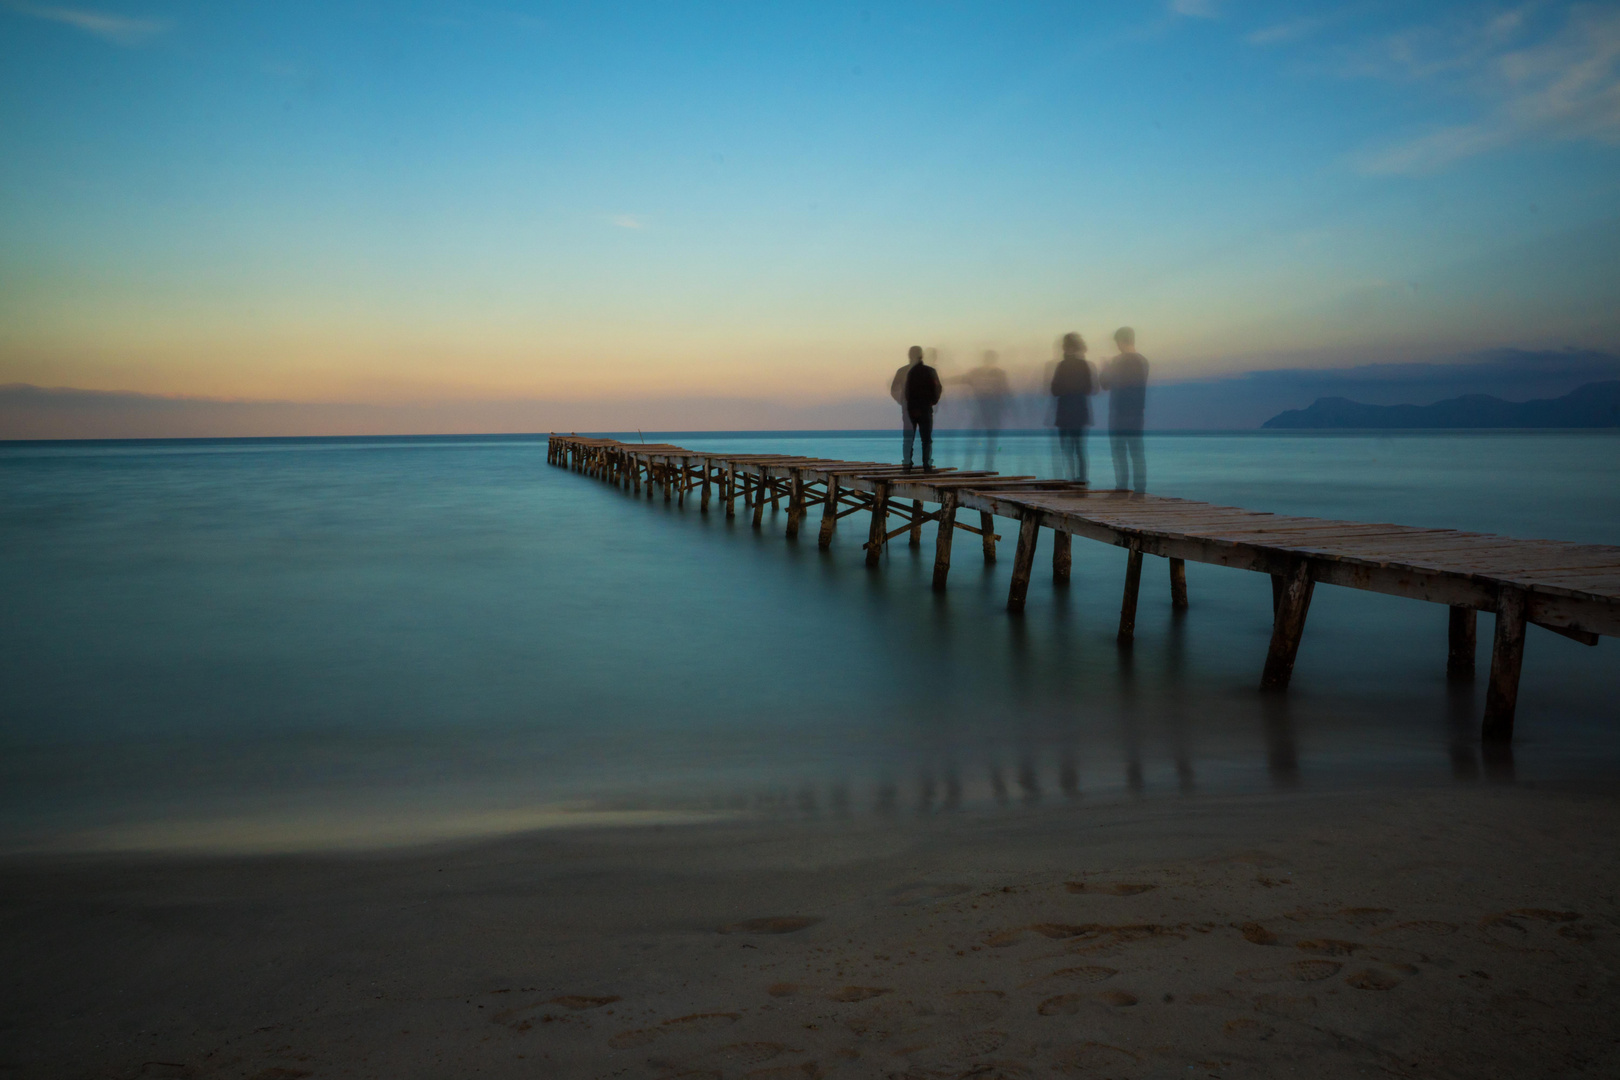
[1468, 932]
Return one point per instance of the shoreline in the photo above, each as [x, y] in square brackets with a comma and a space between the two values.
[1465, 931]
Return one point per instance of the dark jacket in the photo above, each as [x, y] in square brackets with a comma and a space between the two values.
[922, 391]
[1072, 386]
[1125, 378]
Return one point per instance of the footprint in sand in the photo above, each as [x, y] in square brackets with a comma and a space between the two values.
[972, 1006]
[782, 990]
[1417, 928]
[775, 924]
[858, 993]
[1372, 979]
[1085, 973]
[1109, 888]
[1327, 947]
[1249, 1030]
[580, 1002]
[1070, 1004]
[743, 1054]
[925, 893]
[1299, 970]
[1256, 934]
[1089, 1058]
[979, 1043]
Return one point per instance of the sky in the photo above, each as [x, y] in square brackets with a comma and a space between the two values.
[414, 203]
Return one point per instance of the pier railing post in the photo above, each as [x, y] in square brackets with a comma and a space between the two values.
[829, 513]
[880, 517]
[1029, 533]
[1127, 603]
[942, 539]
[1288, 626]
[1507, 658]
[1178, 584]
[987, 528]
[1062, 556]
[1462, 643]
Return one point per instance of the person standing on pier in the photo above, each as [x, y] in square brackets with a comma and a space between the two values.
[922, 393]
[897, 390]
[1125, 378]
[1073, 385]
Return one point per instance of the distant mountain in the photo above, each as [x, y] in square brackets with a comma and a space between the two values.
[1595, 405]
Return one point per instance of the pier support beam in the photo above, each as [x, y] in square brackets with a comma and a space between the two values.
[1062, 556]
[916, 523]
[1507, 657]
[1127, 603]
[759, 497]
[1178, 584]
[987, 526]
[683, 481]
[1029, 533]
[795, 502]
[707, 469]
[1288, 626]
[829, 513]
[880, 517]
[1462, 641]
[942, 539]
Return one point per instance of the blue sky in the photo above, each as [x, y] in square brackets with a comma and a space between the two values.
[424, 201]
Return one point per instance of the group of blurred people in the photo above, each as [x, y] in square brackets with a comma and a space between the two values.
[918, 388]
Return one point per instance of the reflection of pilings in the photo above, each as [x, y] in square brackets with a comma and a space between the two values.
[1282, 758]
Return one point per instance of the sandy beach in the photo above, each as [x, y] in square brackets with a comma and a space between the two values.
[1468, 931]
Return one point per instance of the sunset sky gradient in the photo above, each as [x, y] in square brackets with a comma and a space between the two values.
[420, 202]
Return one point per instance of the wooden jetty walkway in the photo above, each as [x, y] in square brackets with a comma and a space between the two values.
[1570, 589]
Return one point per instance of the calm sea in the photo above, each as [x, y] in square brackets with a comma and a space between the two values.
[262, 644]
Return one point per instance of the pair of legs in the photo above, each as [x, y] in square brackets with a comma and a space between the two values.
[1130, 460]
[911, 428]
[1072, 445]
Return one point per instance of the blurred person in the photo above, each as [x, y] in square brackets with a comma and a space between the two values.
[897, 390]
[1073, 383]
[988, 385]
[922, 393]
[1125, 378]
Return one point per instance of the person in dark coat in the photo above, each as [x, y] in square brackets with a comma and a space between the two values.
[1072, 385]
[923, 391]
[897, 390]
[1125, 378]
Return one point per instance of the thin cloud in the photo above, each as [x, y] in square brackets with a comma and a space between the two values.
[1564, 87]
[1195, 9]
[118, 29]
[1284, 33]
[627, 221]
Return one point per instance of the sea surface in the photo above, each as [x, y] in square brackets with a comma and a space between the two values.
[275, 644]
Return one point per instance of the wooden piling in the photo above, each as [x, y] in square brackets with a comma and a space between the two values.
[1127, 603]
[880, 516]
[1029, 533]
[759, 497]
[707, 469]
[728, 490]
[1062, 556]
[1288, 626]
[829, 513]
[795, 501]
[942, 538]
[1462, 641]
[683, 481]
[916, 523]
[987, 525]
[1507, 657]
[1178, 584]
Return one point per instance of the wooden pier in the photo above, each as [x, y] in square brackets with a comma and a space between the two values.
[1569, 589]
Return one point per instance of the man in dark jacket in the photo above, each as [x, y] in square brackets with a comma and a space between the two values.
[922, 394]
[1072, 385]
[1125, 378]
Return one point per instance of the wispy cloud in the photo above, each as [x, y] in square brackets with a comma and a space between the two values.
[1283, 33]
[627, 221]
[1195, 9]
[1566, 85]
[118, 29]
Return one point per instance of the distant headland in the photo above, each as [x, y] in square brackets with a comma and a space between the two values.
[1595, 405]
